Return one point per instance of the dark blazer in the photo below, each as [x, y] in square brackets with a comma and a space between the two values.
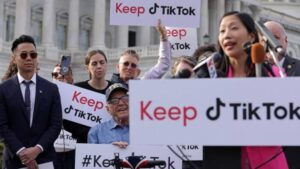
[292, 153]
[291, 66]
[15, 128]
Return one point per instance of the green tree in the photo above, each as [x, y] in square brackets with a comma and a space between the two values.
[1, 151]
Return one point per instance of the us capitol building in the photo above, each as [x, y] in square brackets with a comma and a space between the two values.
[72, 27]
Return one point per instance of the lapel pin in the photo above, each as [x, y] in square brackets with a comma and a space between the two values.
[289, 66]
[41, 91]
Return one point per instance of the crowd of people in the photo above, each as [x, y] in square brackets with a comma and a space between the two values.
[30, 107]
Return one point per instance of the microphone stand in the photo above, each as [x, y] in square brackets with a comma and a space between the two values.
[258, 68]
[282, 75]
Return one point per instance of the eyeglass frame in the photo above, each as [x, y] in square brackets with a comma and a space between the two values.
[117, 100]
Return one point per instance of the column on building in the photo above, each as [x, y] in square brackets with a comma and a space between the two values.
[143, 36]
[220, 9]
[98, 37]
[215, 18]
[73, 28]
[22, 17]
[204, 22]
[237, 5]
[220, 13]
[2, 18]
[122, 36]
[49, 23]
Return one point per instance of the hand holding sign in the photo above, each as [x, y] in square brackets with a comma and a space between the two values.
[120, 144]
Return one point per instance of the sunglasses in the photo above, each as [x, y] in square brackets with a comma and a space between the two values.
[32, 55]
[55, 74]
[127, 64]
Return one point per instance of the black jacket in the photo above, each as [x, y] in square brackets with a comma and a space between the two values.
[291, 66]
[115, 78]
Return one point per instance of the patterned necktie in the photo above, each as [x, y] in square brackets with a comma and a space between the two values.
[27, 99]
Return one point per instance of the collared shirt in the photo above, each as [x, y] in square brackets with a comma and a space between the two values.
[108, 132]
[281, 62]
[32, 88]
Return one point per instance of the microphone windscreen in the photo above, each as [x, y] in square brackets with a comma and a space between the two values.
[258, 53]
[184, 73]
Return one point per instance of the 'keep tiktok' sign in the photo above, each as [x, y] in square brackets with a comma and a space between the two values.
[234, 111]
[146, 12]
[81, 105]
[183, 40]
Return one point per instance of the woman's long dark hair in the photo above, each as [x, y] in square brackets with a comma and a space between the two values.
[248, 22]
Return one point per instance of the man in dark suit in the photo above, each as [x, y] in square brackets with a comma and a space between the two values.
[290, 65]
[30, 111]
[292, 68]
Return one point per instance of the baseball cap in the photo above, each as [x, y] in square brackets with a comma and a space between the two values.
[115, 87]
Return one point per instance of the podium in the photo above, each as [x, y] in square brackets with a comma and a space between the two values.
[219, 157]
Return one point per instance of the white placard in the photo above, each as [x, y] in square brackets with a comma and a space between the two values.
[175, 13]
[189, 152]
[91, 156]
[47, 165]
[81, 105]
[183, 40]
[236, 111]
[64, 142]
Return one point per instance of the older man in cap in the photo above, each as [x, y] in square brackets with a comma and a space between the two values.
[290, 65]
[116, 130]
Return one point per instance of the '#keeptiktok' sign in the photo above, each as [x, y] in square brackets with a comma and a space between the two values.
[95, 156]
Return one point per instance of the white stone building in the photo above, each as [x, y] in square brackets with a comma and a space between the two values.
[72, 27]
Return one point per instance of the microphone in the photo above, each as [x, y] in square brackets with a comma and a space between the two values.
[256, 58]
[206, 66]
[272, 42]
[258, 55]
[183, 74]
[137, 162]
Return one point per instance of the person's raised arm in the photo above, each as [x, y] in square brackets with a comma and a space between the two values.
[164, 60]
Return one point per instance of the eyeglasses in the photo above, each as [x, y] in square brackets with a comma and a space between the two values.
[132, 65]
[55, 74]
[32, 55]
[115, 101]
